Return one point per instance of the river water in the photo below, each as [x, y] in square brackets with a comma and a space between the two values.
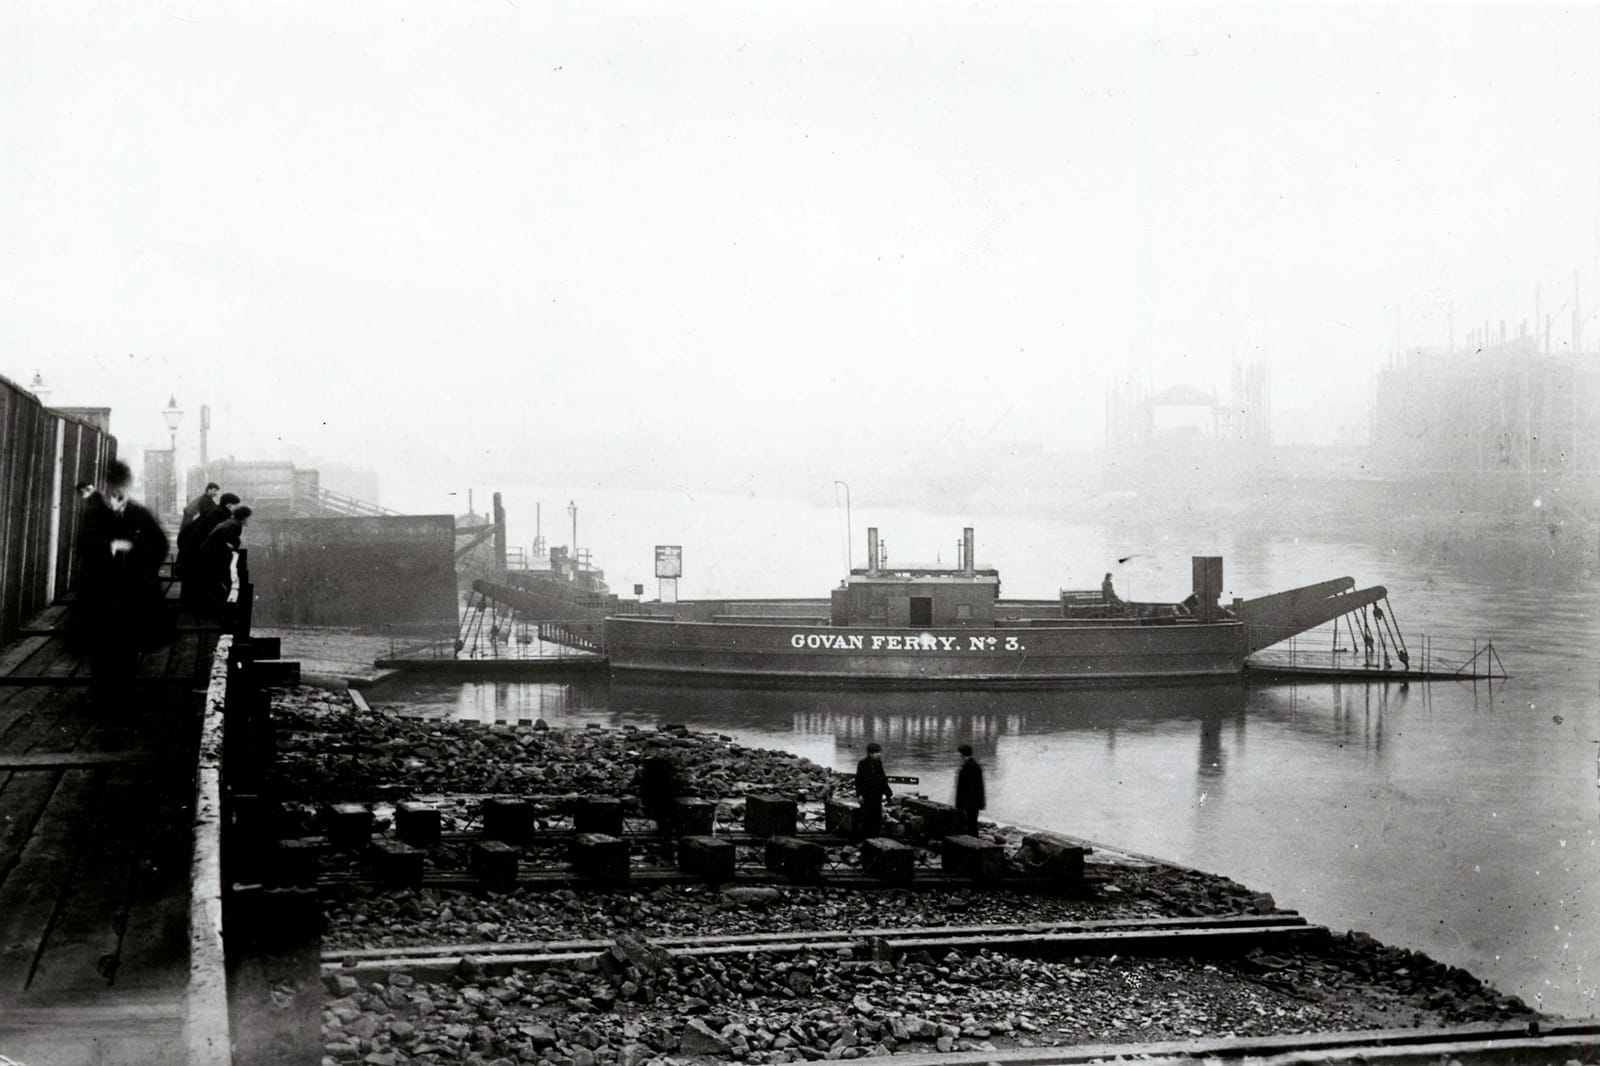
[1455, 818]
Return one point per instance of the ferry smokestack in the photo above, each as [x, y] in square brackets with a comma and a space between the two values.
[967, 565]
[872, 549]
[1207, 586]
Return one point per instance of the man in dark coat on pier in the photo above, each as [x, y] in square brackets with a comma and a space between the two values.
[86, 548]
[872, 786]
[202, 504]
[969, 789]
[119, 609]
[216, 561]
[190, 567]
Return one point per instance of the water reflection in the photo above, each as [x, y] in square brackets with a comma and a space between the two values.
[926, 726]
[926, 723]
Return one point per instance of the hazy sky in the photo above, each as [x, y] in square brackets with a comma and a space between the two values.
[456, 236]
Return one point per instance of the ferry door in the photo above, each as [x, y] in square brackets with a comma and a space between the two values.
[899, 610]
[921, 612]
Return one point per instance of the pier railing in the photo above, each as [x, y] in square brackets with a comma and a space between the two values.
[513, 641]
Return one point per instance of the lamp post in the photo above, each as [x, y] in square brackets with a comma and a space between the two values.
[173, 414]
[849, 536]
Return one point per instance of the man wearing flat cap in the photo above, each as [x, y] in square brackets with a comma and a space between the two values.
[872, 785]
[969, 789]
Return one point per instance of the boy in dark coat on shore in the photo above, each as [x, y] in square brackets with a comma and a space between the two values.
[969, 789]
[872, 786]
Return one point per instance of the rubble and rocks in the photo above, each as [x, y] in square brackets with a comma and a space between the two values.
[326, 752]
[635, 1005]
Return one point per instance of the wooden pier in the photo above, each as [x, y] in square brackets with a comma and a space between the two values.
[97, 852]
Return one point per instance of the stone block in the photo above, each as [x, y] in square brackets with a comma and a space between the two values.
[508, 820]
[967, 856]
[396, 863]
[417, 824]
[839, 816]
[888, 860]
[597, 814]
[600, 856]
[1052, 858]
[800, 860]
[495, 863]
[695, 816]
[767, 815]
[936, 820]
[348, 826]
[295, 862]
[708, 858]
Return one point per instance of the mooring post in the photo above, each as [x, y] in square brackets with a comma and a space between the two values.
[274, 953]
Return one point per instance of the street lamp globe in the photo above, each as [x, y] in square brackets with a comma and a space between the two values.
[173, 414]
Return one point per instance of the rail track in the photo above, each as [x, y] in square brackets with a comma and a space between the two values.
[1132, 936]
[1479, 1044]
[1469, 1045]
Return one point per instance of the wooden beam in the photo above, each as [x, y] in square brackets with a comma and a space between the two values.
[83, 760]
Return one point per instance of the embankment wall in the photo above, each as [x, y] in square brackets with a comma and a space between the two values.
[366, 572]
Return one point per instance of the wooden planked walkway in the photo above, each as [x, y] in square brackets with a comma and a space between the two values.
[96, 844]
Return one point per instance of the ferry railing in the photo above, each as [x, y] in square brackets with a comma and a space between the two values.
[1314, 651]
[565, 635]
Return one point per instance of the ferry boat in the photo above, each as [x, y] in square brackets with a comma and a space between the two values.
[949, 627]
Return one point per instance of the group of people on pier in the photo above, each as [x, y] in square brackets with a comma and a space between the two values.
[209, 532]
[119, 609]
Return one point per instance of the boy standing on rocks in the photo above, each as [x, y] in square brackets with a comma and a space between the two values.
[872, 786]
[969, 789]
[658, 793]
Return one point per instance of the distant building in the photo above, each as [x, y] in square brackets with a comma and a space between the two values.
[1184, 434]
[278, 489]
[1492, 413]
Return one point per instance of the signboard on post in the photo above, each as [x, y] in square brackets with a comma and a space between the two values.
[669, 567]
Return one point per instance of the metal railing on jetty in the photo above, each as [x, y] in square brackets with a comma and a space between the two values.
[1324, 654]
[514, 640]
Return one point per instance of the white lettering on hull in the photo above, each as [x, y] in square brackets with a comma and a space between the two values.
[901, 642]
[832, 641]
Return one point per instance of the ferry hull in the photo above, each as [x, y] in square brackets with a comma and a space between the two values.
[1016, 656]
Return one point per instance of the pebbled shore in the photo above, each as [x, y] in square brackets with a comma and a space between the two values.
[634, 1004]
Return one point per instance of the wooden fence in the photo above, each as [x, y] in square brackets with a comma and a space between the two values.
[43, 455]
